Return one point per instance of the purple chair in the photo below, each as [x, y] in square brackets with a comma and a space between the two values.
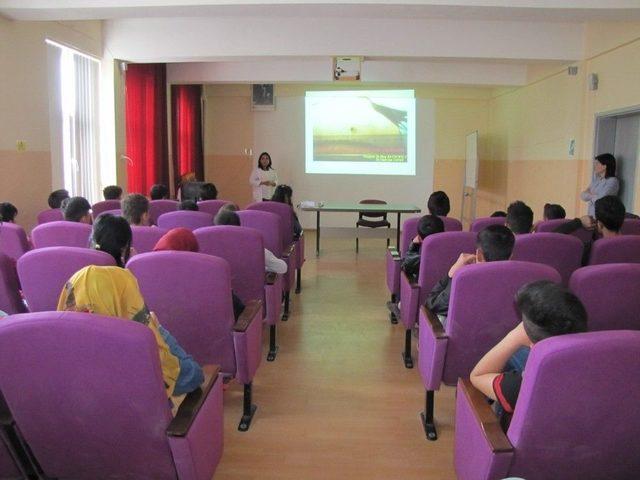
[438, 253]
[481, 223]
[605, 291]
[10, 300]
[13, 458]
[116, 213]
[549, 226]
[145, 238]
[50, 215]
[104, 206]
[185, 219]
[211, 206]
[481, 313]
[13, 240]
[61, 234]
[567, 424]
[87, 395]
[620, 249]
[158, 207]
[451, 224]
[631, 226]
[43, 272]
[202, 319]
[562, 252]
[395, 256]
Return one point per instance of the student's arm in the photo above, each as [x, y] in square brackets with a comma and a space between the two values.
[273, 263]
[573, 225]
[438, 298]
[491, 365]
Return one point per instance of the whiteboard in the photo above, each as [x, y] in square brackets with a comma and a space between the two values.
[471, 161]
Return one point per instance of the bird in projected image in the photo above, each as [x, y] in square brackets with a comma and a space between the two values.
[397, 117]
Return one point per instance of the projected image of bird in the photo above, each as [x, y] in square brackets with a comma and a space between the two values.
[397, 117]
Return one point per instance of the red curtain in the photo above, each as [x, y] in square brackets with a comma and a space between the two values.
[146, 126]
[186, 131]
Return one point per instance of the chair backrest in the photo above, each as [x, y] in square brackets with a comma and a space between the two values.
[409, 231]
[61, 234]
[43, 272]
[50, 215]
[115, 212]
[285, 212]
[104, 206]
[631, 226]
[451, 224]
[13, 240]
[562, 252]
[483, 222]
[620, 249]
[186, 219]
[482, 310]
[372, 201]
[268, 224]
[243, 248]
[158, 207]
[87, 394]
[145, 238]
[10, 301]
[568, 388]
[193, 303]
[211, 206]
[549, 226]
[438, 252]
[606, 292]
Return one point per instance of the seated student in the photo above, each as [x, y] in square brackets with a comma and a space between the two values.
[553, 211]
[284, 194]
[188, 205]
[112, 192]
[547, 310]
[135, 209]
[56, 197]
[428, 225]
[519, 218]
[498, 213]
[494, 243]
[114, 291]
[183, 239]
[271, 262]
[208, 191]
[231, 207]
[8, 212]
[438, 204]
[159, 192]
[610, 213]
[76, 209]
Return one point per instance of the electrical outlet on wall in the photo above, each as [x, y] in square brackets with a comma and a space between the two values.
[21, 146]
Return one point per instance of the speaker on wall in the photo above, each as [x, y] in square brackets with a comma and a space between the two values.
[262, 96]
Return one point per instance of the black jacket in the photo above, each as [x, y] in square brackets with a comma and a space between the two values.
[411, 261]
[438, 299]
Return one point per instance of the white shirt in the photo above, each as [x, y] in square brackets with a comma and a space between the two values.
[273, 263]
[262, 191]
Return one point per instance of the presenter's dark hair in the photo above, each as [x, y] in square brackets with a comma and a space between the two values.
[496, 242]
[112, 235]
[438, 204]
[56, 197]
[430, 224]
[112, 192]
[8, 212]
[610, 212]
[159, 191]
[269, 157]
[608, 161]
[553, 211]
[519, 217]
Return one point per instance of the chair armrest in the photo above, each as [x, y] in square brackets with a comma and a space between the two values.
[270, 278]
[289, 251]
[487, 419]
[192, 403]
[395, 254]
[251, 309]
[433, 322]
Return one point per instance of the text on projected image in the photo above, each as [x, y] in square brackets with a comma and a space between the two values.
[360, 132]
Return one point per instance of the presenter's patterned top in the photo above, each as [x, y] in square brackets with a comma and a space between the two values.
[263, 191]
[599, 187]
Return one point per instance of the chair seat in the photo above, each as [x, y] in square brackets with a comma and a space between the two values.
[372, 223]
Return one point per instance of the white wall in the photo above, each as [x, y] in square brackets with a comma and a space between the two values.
[281, 133]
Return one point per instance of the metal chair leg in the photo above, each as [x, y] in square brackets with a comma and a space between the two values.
[273, 348]
[406, 355]
[248, 409]
[427, 417]
[298, 280]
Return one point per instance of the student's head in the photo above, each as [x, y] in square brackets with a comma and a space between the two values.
[264, 161]
[135, 209]
[188, 205]
[8, 212]
[519, 217]
[494, 243]
[609, 214]
[232, 207]
[112, 235]
[226, 217]
[181, 239]
[77, 209]
[548, 309]
[438, 204]
[112, 192]
[553, 211]
[208, 191]
[282, 194]
[159, 192]
[498, 213]
[605, 165]
[56, 197]
[428, 225]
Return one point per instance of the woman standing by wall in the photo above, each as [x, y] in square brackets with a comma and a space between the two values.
[604, 181]
[263, 179]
